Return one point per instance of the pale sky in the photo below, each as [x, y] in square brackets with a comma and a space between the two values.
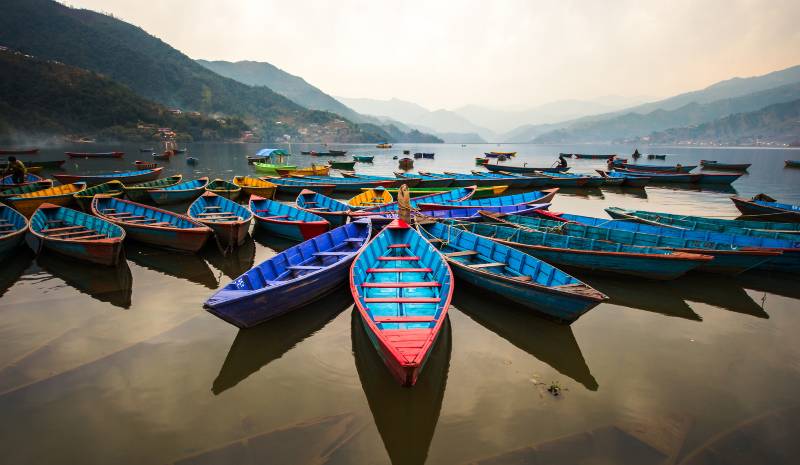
[445, 54]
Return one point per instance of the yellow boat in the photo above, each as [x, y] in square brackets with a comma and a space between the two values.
[371, 198]
[384, 146]
[256, 186]
[313, 170]
[58, 195]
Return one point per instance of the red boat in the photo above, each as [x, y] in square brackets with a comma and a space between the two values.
[22, 151]
[145, 165]
[95, 154]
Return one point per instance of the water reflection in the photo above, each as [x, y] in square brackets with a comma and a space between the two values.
[275, 243]
[13, 267]
[406, 418]
[255, 348]
[179, 265]
[717, 291]
[773, 283]
[635, 192]
[234, 264]
[581, 192]
[106, 284]
[642, 294]
[550, 342]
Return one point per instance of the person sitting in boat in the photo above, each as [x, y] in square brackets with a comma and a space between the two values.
[562, 162]
[16, 169]
[636, 154]
[678, 167]
[610, 164]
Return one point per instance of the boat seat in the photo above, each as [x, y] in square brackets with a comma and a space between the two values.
[353, 239]
[52, 221]
[212, 207]
[91, 237]
[66, 228]
[139, 219]
[402, 285]
[276, 217]
[213, 213]
[106, 210]
[310, 203]
[435, 240]
[160, 223]
[523, 278]
[462, 253]
[72, 233]
[399, 246]
[403, 300]
[303, 267]
[410, 258]
[332, 254]
[118, 214]
[399, 270]
[486, 265]
[403, 319]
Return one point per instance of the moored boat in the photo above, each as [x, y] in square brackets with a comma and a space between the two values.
[589, 156]
[527, 198]
[766, 210]
[363, 158]
[626, 179]
[95, 154]
[13, 226]
[152, 225]
[526, 169]
[145, 165]
[333, 211]
[19, 151]
[182, 192]
[111, 188]
[342, 165]
[402, 287]
[792, 163]
[286, 221]
[750, 228]
[58, 195]
[427, 181]
[655, 168]
[499, 154]
[7, 182]
[291, 279]
[271, 168]
[24, 189]
[456, 195]
[293, 186]
[480, 192]
[348, 184]
[224, 188]
[75, 234]
[256, 186]
[229, 220]
[129, 177]
[313, 170]
[514, 181]
[384, 146]
[715, 165]
[570, 180]
[391, 182]
[138, 192]
[657, 177]
[370, 198]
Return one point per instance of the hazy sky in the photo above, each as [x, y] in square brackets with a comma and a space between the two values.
[444, 54]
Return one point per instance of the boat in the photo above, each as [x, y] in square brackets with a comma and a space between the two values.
[138, 192]
[456, 195]
[657, 177]
[499, 154]
[654, 156]
[229, 220]
[76, 235]
[525, 169]
[48, 164]
[428, 155]
[286, 221]
[224, 188]
[192, 161]
[792, 163]
[363, 158]
[24, 189]
[371, 198]
[291, 186]
[146, 149]
[111, 188]
[126, 177]
[291, 279]
[516, 181]
[727, 259]
[95, 154]
[627, 180]
[589, 156]
[185, 191]
[427, 181]
[481, 161]
[402, 287]
[253, 159]
[342, 165]
[718, 178]
[13, 226]
[527, 198]
[381, 219]
[145, 165]
[337, 153]
[744, 227]
[569, 180]
[480, 192]
[7, 182]
[333, 211]
[19, 151]
[512, 274]
[271, 168]
[463, 180]
[394, 182]
[655, 168]
[405, 163]
[162, 156]
[586, 254]
[313, 170]
[384, 146]
[58, 195]
[349, 184]
[765, 210]
[713, 164]
[256, 186]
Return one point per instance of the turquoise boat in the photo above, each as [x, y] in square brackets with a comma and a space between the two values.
[13, 226]
[624, 179]
[285, 220]
[464, 180]
[177, 193]
[229, 220]
[430, 203]
[511, 274]
[575, 180]
[767, 211]
[138, 192]
[516, 181]
[663, 177]
[481, 180]
[391, 182]
[427, 181]
[588, 254]
[727, 260]
[363, 158]
[25, 189]
[291, 186]
[745, 227]
[335, 212]
[457, 195]
[350, 184]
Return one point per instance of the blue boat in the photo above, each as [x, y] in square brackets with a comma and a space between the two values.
[516, 181]
[464, 180]
[663, 177]
[574, 180]
[625, 178]
[455, 195]
[152, 225]
[718, 178]
[380, 220]
[8, 181]
[76, 235]
[402, 287]
[286, 221]
[512, 274]
[427, 181]
[391, 182]
[182, 192]
[291, 279]
[291, 186]
[747, 228]
[13, 226]
[229, 220]
[767, 210]
[588, 254]
[727, 259]
[335, 212]
[655, 168]
[539, 197]
[348, 184]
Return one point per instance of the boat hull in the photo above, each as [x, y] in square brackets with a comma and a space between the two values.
[754, 211]
[106, 252]
[91, 180]
[294, 230]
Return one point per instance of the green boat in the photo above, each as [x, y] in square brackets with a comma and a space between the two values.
[26, 189]
[364, 158]
[271, 169]
[342, 165]
[111, 188]
[480, 192]
[138, 192]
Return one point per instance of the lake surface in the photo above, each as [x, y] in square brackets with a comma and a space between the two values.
[124, 366]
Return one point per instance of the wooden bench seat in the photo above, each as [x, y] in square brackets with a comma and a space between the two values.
[399, 246]
[402, 285]
[403, 300]
[303, 267]
[404, 319]
[462, 253]
[332, 254]
[66, 228]
[486, 265]
[399, 270]
[410, 258]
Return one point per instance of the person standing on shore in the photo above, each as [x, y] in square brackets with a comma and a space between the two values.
[16, 169]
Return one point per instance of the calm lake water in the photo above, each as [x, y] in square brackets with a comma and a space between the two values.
[124, 366]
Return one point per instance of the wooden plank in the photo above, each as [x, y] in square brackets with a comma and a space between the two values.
[462, 253]
[92, 237]
[353, 239]
[399, 270]
[72, 233]
[66, 228]
[399, 246]
[403, 319]
[409, 258]
[332, 254]
[303, 267]
[523, 278]
[403, 300]
[402, 285]
[486, 265]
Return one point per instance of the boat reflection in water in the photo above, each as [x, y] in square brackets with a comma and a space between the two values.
[770, 282]
[405, 417]
[233, 265]
[255, 348]
[13, 266]
[179, 265]
[635, 192]
[642, 294]
[548, 341]
[718, 291]
[103, 283]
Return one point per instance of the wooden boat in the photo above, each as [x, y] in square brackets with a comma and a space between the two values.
[391, 182]
[291, 186]
[364, 158]
[456, 195]
[145, 165]
[177, 193]
[527, 198]
[587, 254]
[655, 168]
[480, 192]
[229, 220]
[225, 189]
[427, 181]
[342, 165]
[138, 192]
[333, 211]
[384, 146]
[162, 156]
[767, 211]
[13, 226]
[24, 189]
[463, 180]
[48, 164]
[370, 198]
[589, 156]
[192, 161]
[654, 156]
[516, 181]
[525, 169]
[626, 179]
[402, 287]
[713, 164]
[111, 188]
[499, 154]
[291, 279]
[792, 163]
[313, 170]
[570, 180]
[337, 153]
[286, 221]
[512, 274]
[662, 177]
[128, 177]
[744, 227]
[19, 151]
[271, 168]
[7, 182]
[405, 163]
[481, 161]
[256, 186]
[718, 178]
[76, 235]
[95, 154]
[348, 184]
[58, 195]
[152, 225]
[727, 260]
[146, 149]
